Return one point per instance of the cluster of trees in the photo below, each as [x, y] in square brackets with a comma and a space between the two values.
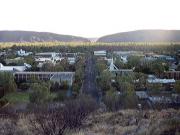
[7, 83]
[118, 90]
[119, 93]
[79, 74]
[60, 66]
[147, 67]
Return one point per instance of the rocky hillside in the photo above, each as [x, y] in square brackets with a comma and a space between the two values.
[143, 36]
[31, 36]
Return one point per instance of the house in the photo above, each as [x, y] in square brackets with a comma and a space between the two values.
[100, 53]
[48, 57]
[14, 68]
[23, 53]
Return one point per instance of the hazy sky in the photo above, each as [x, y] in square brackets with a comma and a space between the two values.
[89, 18]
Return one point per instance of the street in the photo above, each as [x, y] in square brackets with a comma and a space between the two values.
[89, 85]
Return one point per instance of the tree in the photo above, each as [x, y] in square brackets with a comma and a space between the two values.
[133, 61]
[122, 80]
[40, 93]
[112, 100]
[7, 82]
[126, 86]
[140, 81]
[177, 86]
[157, 67]
[104, 80]
[48, 67]
[101, 66]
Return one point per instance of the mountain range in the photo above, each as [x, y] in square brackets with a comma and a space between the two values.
[31, 36]
[131, 36]
[143, 36]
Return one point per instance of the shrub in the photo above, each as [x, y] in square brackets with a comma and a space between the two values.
[40, 93]
[55, 119]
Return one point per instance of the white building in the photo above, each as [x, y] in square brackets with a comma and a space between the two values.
[100, 53]
[48, 57]
[128, 53]
[71, 57]
[14, 68]
[152, 79]
[23, 53]
[124, 59]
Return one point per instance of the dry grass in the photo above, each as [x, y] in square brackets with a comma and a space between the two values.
[132, 122]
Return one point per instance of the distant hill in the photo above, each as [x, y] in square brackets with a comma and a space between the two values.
[31, 36]
[143, 36]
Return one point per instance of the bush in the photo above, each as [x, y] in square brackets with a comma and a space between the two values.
[55, 119]
[112, 101]
[7, 82]
[40, 93]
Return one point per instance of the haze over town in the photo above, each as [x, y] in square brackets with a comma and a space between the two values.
[89, 18]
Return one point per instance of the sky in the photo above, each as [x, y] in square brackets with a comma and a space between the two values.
[89, 18]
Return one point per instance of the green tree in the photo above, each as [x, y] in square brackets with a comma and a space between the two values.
[101, 66]
[140, 80]
[157, 67]
[104, 80]
[48, 67]
[122, 80]
[7, 82]
[40, 92]
[112, 100]
[177, 86]
[133, 61]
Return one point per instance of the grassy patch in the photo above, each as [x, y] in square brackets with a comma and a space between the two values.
[17, 97]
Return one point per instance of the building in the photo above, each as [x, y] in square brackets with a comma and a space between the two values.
[128, 53]
[71, 57]
[23, 53]
[54, 57]
[45, 76]
[100, 53]
[141, 94]
[15, 60]
[3, 53]
[171, 75]
[165, 84]
[153, 79]
[14, 68]
[114, 69]
[48, 57]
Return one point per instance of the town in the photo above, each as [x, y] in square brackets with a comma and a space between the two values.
[133, 79]
[68, 83]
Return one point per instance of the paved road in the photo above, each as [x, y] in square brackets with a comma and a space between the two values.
[89, 85]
